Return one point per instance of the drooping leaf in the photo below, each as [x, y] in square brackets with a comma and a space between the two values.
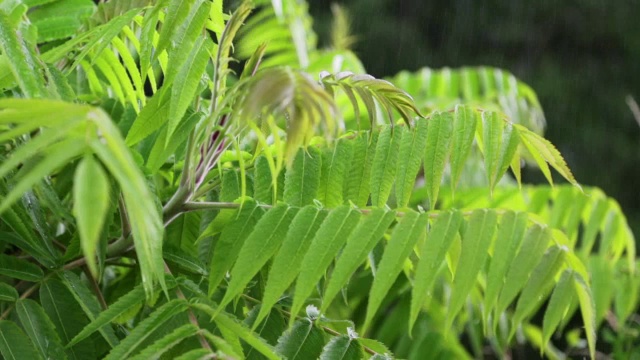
[547, 151]
[144, 214]
[40, 329]
[384, 164]
[303, 341]
[145, 328]
[14, 344]
[302, 179]
[436, 246]
[90, 206]
[409, 230]
[325, 245]
[361, 241]
[475, 245]
[287, 263]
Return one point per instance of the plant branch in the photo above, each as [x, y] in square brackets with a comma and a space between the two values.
[124, 218]
[192, 316]
[96, 288]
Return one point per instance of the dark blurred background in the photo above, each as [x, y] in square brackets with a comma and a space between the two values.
[581, 57]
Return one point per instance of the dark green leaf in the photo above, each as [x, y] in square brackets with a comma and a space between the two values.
[342, 348]
[67, 316]
[14, 344]
[303, 341]
[40, 329]
[8, 293]
[123, 305]
[145, 328]
[16, 268]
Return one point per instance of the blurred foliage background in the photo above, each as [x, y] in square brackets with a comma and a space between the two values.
[581, 57]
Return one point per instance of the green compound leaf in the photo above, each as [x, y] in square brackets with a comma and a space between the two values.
[303, 341]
